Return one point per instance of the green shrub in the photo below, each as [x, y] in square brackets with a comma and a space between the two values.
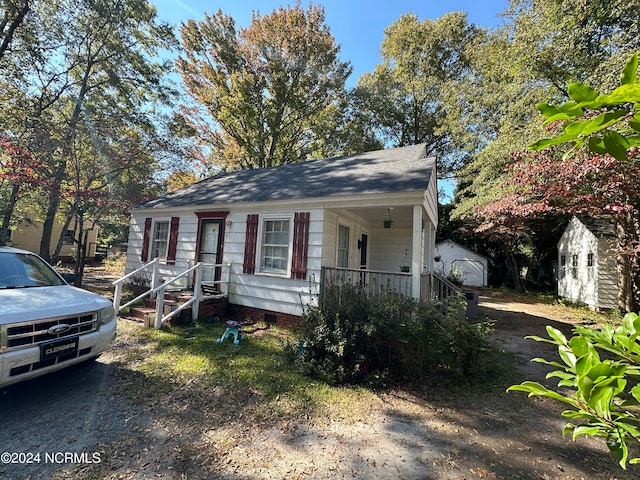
[352, 338]
[599, 381]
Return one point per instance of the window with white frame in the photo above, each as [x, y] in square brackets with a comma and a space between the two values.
[574, 266]
[590, 264]
[274, 248]
[68, 237]
[342, 260]
[160, 239]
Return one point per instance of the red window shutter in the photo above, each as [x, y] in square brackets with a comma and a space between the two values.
[300, 245]
[146, 239]
[250, 242]
[173, 241]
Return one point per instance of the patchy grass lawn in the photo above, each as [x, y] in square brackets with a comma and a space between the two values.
[254, 378]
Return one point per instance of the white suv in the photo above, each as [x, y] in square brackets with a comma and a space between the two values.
[46, 324]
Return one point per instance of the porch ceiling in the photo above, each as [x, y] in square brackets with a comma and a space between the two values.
[376, 215]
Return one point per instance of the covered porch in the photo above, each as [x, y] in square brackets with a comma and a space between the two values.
[431, 286]
[389, 242]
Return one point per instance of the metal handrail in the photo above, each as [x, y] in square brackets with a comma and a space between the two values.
[117, 294]
[157, 291]
[197, 293]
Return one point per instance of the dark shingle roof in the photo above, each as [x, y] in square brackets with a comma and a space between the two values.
[393, 170]
[601, 226]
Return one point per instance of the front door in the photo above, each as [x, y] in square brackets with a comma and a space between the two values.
[364, 240]
[209, 247]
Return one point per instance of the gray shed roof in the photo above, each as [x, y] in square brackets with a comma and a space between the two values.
[601, 226]
[394, 170]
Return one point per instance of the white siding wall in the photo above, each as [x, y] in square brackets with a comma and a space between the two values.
[593, 286]
[431, 223]
[607, 276]
[389, 245]
[471, 266]
[185, 253]
[386, 251]
[270, 292]
[260, 291]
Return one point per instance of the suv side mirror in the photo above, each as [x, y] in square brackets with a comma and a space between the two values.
[69, 277]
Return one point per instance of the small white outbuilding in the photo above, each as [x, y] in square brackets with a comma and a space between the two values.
[469, 266]
[587, 272]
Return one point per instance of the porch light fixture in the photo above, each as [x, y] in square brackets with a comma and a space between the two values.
[387, 219]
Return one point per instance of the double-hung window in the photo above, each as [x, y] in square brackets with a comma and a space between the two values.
[160, 239]
[274, 249]
[590, 265]
[343, 247]
[68, 237]
[574, 266]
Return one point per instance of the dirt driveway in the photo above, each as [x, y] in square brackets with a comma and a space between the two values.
[465, 435]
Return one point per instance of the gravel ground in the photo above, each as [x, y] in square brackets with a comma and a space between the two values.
[88, 411]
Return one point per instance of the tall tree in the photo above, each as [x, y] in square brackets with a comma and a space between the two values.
[599, 179]
[541, 47]
[403, 97]
[13, 14]
[263, 92]
[75, 62]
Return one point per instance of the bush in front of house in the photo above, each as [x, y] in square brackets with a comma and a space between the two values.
[353, 338]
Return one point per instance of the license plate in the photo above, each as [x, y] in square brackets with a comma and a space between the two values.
[57, 348]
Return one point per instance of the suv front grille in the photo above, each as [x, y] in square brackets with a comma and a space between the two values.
[26, 334]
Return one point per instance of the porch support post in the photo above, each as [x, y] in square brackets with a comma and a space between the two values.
[416, 251]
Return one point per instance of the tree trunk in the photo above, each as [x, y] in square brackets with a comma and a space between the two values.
[8, 214]
[625, 295]
[83, 236]
[512, 264]
[47, 226]
[19, 12]
[65, 227]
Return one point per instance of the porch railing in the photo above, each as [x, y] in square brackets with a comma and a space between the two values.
[433, 287]
[369, 282]
[437, 288]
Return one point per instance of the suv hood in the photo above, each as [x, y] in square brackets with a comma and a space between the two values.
[33, 303]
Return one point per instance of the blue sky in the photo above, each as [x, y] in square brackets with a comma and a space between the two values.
[357, 25]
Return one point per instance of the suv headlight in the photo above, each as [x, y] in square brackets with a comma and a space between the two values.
[106, 314]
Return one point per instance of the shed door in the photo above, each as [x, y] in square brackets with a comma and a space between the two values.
[209, 248]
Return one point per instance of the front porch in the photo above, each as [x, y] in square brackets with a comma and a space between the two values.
[431, 286]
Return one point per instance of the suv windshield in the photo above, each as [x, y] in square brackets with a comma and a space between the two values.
[20, 270]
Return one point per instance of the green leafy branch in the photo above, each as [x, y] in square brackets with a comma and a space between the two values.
[609, 123]
[605, 392]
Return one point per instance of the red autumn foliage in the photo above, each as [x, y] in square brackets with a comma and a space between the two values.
[539, 184]
[19, 167]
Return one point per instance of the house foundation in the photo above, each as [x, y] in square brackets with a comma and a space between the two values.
[242, 313]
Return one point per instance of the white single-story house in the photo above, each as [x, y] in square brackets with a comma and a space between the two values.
[587, 272]
[453, 259]
[277, 232]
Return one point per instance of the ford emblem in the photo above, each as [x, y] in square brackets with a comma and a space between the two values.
[58, 329]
